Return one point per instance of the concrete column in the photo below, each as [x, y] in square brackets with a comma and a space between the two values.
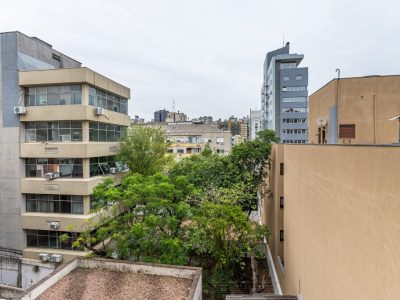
[85, 94]
[85, 131]
[86, 168]
[86, 204]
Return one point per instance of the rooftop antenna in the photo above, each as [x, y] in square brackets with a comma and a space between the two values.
[283, 40]
[173, 105]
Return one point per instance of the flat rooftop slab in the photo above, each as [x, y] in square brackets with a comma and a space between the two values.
[100, 284]
[85, 278]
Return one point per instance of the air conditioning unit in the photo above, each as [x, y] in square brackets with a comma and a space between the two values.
[19, 110]
[56, 258]
[54, 225]
[110, 203]
[65, 137]
[51, 176]
[44, 257]
[99, 111]
[113, 170]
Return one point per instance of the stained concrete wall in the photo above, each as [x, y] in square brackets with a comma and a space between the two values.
[342, 222]
[367, 102]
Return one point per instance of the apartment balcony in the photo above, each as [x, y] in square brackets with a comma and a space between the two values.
[67, 222]
[66, 186]
[72, 76]
[68, 149]
[75, 112]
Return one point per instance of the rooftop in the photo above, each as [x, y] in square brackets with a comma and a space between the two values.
[99, 279]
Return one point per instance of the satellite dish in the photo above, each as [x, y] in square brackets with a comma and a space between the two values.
[394, 118]
[321, 121]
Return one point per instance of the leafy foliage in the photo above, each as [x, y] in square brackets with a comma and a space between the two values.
[144, 150]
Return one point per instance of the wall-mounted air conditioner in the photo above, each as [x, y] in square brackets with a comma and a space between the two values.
[51, 176]
[20, 110]
[99, 111]
[54, 225]
[113, 170]
[65, 137]
[44, 257]
[56, 258]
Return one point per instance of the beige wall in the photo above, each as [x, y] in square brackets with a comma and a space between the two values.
[74, 112]
[63, 186]
[273, 213]
[73, 75]
[342, 223]
[367, 102]
[69, 149]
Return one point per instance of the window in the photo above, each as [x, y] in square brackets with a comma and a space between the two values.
[281, 236]
[294, 131]
[293, 88]
[49, 239]
[281, 202]
[53, 95]
[299, 77]
[286, 78]
[207, 140]
[180, 151]
[347, 131]
[64, 204]
[64, 167]
[107, 101]
[281, 169]
[294, 120]
[53, 131]
[294, 99]
[102, 132]
[294, 109]
[100, 166]
[288, 65]
[220, 140]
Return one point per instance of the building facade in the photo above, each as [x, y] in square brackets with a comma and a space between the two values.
[255, 124]
[333, 215]
[359, 110]
[189, 138]
[176, 117]
[160, 116]
[60, 125]
[284, 96]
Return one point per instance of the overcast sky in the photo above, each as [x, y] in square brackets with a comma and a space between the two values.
[208, 55]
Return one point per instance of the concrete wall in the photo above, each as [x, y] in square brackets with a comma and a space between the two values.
[367, 102]
[273, 213]
[341, 222]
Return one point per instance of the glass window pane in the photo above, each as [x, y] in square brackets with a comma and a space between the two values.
[77, 207]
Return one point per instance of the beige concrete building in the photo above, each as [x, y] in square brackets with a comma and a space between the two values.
[67, 150]
[333, 211]
[189, 138]
[59, 130]
[359, 110]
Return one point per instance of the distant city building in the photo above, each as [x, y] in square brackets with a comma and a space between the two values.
[160, 116]
[137, 120]
[206, 119]
[284, 96]
[358, 110]
[235, 126]
[188, 138]
[176, 117]
[255, 123]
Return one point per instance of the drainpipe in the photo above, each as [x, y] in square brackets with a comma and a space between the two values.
[337, 105]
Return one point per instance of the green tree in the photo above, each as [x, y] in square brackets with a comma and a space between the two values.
[144, 150]
[268, 136]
